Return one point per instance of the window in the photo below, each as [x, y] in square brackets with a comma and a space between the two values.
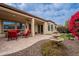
[51, 27]
[19, 26]
[48, 27]
[9, 25]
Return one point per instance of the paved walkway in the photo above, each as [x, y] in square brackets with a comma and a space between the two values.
[7, 47]
[73, 47]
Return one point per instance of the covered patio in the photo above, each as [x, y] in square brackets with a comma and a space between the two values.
[36, 24]
[9, 15]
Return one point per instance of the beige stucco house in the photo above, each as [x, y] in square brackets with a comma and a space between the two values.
[36, 24]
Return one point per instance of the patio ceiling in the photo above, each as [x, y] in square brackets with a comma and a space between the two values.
[10, 16]
[39, 22]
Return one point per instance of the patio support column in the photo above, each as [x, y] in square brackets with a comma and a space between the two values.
[54, 28]
[45, 28]
[32, 27]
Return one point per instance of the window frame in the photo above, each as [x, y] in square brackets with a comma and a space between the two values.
[51, 27]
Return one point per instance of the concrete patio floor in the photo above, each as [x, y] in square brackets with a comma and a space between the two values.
[7, 47]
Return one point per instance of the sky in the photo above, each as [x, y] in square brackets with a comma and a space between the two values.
[57, 12]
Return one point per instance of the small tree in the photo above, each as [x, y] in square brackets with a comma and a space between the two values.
[66, 26]
[60, 29]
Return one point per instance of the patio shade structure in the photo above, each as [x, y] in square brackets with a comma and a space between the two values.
[11, 14]
[36, 24]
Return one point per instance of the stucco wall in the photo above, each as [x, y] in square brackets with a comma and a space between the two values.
[46, 27]
[0, 26]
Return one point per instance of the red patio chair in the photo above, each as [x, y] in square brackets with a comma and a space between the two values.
[17, 30]
[27, 33]
[12, 34]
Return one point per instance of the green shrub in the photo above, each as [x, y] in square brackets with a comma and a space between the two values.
[67, 36]
[63, 29]
[70, 37]
[53, 48]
